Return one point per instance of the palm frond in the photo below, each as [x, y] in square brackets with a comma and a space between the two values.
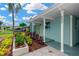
[10, 7]
[18, 7]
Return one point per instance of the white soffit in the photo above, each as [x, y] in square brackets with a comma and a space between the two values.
[71, 8]
[46, 12]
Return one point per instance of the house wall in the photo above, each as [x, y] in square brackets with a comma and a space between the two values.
[67, 29]
[75, 30]
[30, 27]
[39, 29]
[54, 31]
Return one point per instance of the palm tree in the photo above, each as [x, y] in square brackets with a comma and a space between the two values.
[1, 24]
[14, 9]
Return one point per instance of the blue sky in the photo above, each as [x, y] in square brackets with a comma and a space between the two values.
[27, 11]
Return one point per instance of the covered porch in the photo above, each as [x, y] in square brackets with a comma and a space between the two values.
[59, 28]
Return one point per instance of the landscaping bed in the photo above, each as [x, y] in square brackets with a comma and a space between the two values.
[21, 43]
[20, 50]
[6, 46]
[35, 45]
[21, 38]
[37, 42]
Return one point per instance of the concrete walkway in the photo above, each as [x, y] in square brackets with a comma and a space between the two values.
[46, 51]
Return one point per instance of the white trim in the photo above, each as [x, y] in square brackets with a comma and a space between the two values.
[71, 20]
[62, 30]
[44, 29]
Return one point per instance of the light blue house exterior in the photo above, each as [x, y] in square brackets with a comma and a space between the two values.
[62, 25]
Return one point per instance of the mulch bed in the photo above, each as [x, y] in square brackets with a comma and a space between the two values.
[10, 51]
[36, 46]
[19, 46]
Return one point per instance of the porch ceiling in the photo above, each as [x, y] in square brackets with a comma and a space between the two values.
[72, 8]
[69, 8]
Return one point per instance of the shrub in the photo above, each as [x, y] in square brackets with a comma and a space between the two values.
[28, 40]
[22, 24]
[19, 39]
[4, 46]
[2, 52]
[6, 43]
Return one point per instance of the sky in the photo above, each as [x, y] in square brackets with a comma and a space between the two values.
[27, 11]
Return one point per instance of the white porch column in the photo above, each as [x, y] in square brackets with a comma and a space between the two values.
[71, 19]
[44, 29]
[62, 30]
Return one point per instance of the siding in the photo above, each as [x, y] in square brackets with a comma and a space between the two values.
[75, 30]
[54, 32]
[67, 30]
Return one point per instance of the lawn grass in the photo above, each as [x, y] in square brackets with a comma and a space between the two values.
[6, 33]
[6, 42]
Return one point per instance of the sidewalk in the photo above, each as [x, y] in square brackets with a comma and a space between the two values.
[46, 51]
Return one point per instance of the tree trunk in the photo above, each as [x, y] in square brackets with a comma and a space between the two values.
[13, 19]
[13, 27]
[0, 27]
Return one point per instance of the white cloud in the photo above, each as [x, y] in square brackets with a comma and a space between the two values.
[8, 23]
[31, 12]
[16, 24]
[2, 17]
[15, 19]
[26, 18]
[3, 8]
[11, 14]
[4, 20]
[6, 6]
[34, 6]
[22, 4]
[34, 16]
